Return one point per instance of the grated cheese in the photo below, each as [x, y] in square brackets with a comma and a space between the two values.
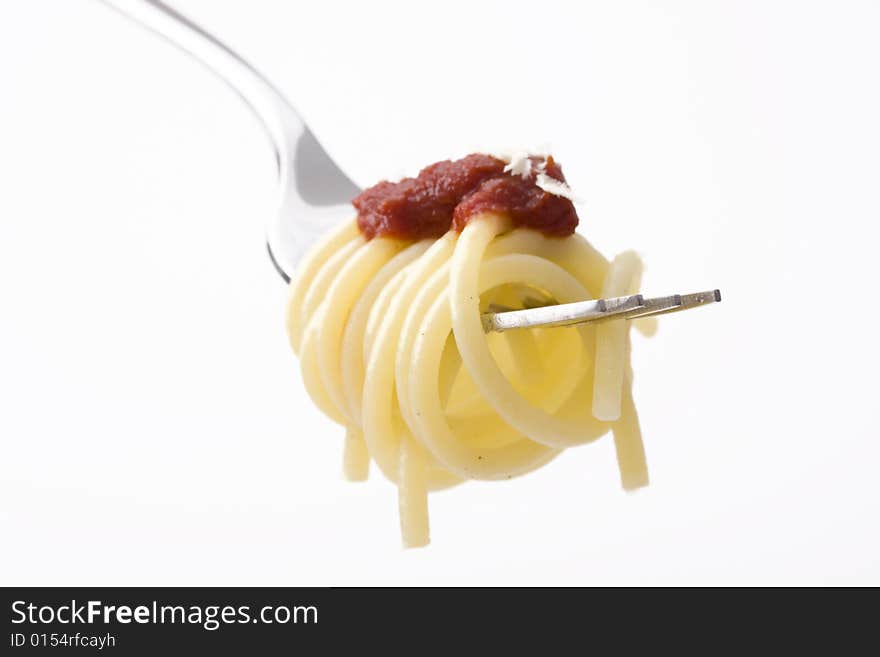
[519, 163]
[556, 187]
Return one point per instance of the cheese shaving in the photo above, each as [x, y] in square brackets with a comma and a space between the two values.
[556, 187]
[519, 165]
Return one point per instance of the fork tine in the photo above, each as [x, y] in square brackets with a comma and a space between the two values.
[675, 303]
[596, 310]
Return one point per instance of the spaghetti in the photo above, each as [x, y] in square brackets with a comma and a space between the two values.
[385, 316]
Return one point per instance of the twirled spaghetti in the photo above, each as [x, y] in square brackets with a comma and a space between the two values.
[385, 316]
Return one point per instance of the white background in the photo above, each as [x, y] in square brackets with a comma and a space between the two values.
[153, 425]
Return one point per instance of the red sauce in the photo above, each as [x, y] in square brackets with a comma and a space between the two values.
[450, 193]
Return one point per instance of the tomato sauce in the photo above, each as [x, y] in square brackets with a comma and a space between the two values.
[448, 194]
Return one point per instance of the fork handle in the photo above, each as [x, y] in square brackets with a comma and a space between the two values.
[280, 121]
[311, 186]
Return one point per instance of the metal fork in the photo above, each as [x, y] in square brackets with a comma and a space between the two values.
[315, 193]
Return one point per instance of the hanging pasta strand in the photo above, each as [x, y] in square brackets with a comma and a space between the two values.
[611, 340]
[628, 446]
[355, 456]
[413, 494]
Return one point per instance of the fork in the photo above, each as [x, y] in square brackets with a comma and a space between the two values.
[315, 193]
